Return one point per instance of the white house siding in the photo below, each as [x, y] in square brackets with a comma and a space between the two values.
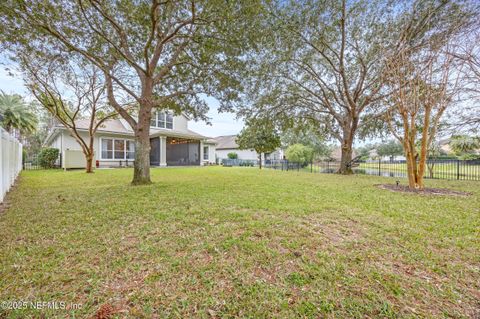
[57, 142]
[211, 153]
[242, 154]
[64, 141]
[180, 123]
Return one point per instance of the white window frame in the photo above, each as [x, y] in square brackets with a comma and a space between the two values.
[113, 148]
[206, 153]
[156, 114]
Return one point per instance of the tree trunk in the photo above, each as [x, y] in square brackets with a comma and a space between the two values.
[141, 167]
[260, 160]
[89, 155]
[414, 179]
[423, 149]
[345, 161]
[89, 166]
[411, 171]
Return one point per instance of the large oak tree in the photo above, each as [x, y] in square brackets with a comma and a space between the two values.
[324, 61]
[156, 54]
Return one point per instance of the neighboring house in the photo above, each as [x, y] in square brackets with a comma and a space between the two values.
[227, 144]
[172, 143]
[336, 154]
[373, 155]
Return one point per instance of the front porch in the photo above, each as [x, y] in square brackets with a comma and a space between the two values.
[175, 151]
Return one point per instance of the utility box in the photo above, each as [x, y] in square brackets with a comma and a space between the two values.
[73, 159]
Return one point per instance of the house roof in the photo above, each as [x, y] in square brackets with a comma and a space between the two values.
[184, 133]
[444, 141]
[114, 126]
[120, 126]
[226, 142]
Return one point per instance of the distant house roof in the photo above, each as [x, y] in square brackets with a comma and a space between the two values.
[444, 141]
[226, 142]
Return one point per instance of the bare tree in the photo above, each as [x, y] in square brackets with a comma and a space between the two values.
[468, 115]
[424, 84]
[71, 92]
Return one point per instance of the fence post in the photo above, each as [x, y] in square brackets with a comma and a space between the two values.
[379, 163]
[311, 166]
[458, 169]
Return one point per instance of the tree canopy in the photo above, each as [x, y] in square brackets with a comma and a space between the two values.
[390, 148]
[155, 54]
[324, 61]
[299, 153]
[260, 135]
[16, 114]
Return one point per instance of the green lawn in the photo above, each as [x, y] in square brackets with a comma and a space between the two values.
[238, 242]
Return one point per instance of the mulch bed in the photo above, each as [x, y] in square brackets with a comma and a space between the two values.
[426, 191]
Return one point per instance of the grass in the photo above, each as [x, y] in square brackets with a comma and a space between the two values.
[238, 242]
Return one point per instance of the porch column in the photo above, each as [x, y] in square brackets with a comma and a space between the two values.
[163, 151]
[201, 154]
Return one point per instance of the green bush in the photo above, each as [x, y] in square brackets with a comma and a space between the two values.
[232, 155]
[48, 157]
[299, 153]
[246, 163]
[469, 157]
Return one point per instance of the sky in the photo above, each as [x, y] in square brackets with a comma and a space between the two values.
[222, 123]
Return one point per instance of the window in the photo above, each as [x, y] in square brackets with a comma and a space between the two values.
[205, 152]
[119, 149]
[162, 120]
[169, 120]
[107, 149]
[130, 150]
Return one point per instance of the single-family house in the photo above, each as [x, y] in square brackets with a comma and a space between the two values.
[227, 144]
[172, 142]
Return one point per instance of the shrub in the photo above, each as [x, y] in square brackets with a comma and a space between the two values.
[299, 153]
[232, 155]
[469, 157]
[246, 163]
[48, 157]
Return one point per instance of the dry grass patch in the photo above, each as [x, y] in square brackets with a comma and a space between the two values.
[226, 242]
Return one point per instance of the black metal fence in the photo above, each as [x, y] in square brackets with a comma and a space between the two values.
[450, 169]
[238, 162]
[32, 162]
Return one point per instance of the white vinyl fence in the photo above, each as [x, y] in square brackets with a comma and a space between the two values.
[10, 161]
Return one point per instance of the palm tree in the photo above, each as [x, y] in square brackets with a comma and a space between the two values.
[14, 114]
[461, 144]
